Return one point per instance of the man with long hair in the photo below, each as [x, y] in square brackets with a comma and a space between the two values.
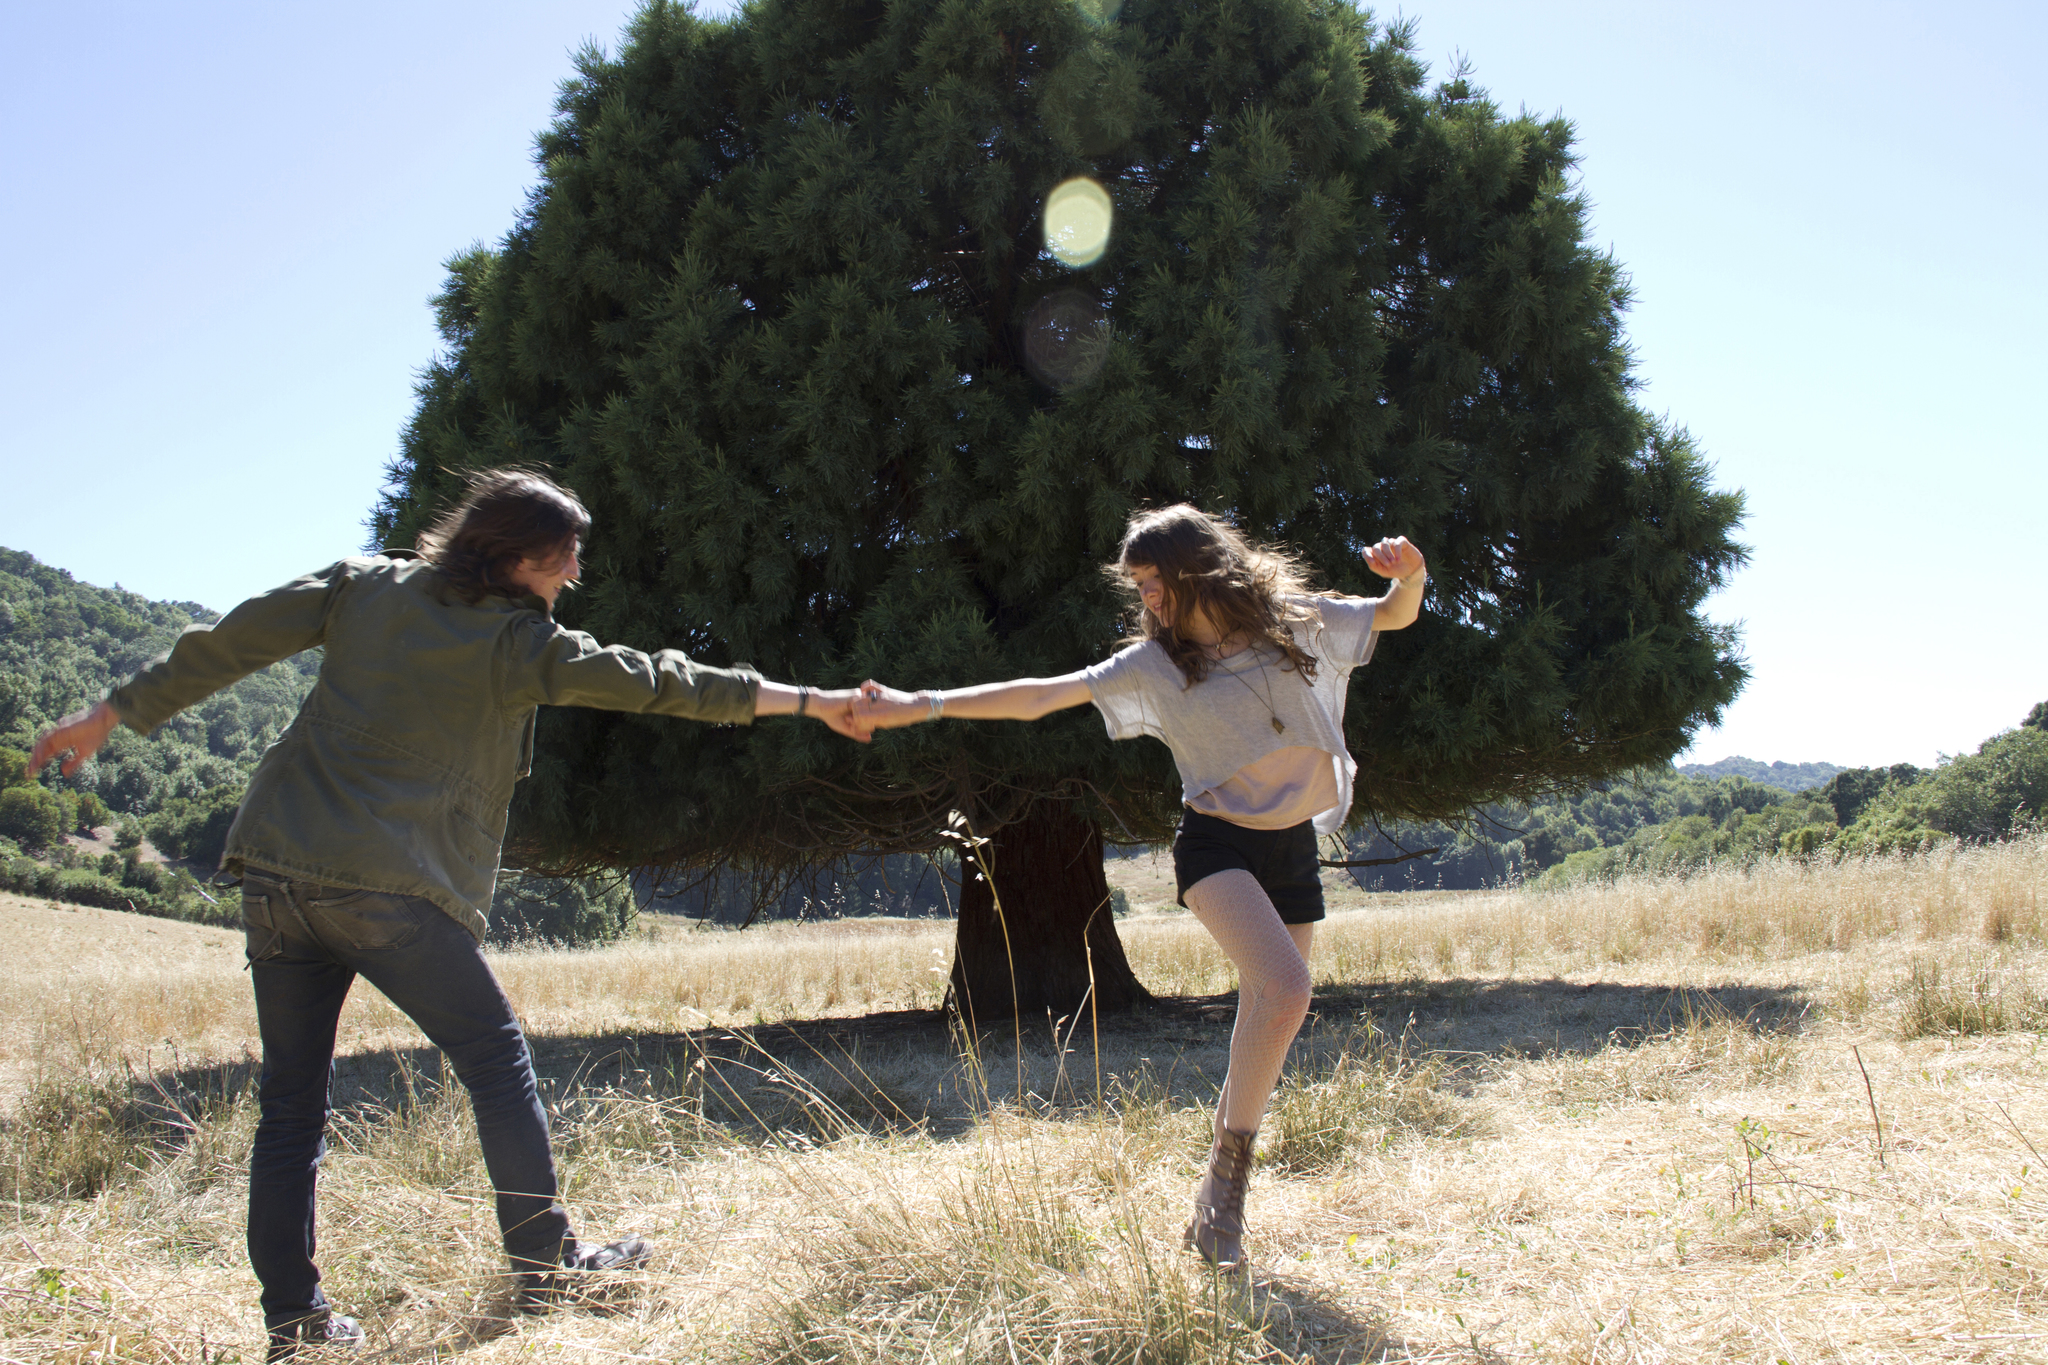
[368, 840]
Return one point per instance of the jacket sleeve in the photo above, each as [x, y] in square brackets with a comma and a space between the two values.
[554, 666]
[264, 629]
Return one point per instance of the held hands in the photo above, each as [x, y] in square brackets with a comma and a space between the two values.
[1394, 557]
[79, 734]
[835, 706]
[858, 712]
[886, 708]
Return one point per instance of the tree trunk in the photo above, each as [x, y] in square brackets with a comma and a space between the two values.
[1054, 902]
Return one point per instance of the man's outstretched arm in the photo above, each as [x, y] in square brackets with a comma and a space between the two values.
[79, 734]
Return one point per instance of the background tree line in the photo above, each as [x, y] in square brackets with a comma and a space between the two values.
[1668, 820]
[63, 643]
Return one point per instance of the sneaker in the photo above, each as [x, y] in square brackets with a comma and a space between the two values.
[581, 1274]
[321, 1327]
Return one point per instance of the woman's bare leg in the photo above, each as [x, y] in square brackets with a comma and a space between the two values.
[1272, 989]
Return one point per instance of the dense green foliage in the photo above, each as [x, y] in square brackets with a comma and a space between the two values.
[35, 816]
[1791, 777]
[781, 309]
[560, 912]
[1661, 820]
[1986, 795]
[1510, 842]
[195, 827]
[116, 881]
[64, 644]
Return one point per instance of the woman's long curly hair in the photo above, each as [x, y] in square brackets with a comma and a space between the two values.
[508, 516]
[1205, 563]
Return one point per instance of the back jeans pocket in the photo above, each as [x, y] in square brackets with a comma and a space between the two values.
[262, 935]
[368, 920]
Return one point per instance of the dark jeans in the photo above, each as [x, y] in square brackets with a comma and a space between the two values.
[307, 944]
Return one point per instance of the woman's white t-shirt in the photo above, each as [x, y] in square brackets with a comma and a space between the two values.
[1223, 725]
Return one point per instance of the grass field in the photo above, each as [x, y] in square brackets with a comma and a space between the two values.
[1789, 1114]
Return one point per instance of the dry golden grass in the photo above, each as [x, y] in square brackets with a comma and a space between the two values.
[1618, 1123]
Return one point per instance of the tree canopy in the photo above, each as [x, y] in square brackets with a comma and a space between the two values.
[773, 311]
[854, 387]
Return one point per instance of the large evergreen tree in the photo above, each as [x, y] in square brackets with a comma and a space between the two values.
[782, 309]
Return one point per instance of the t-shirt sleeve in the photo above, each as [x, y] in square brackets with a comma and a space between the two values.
[1348, 630]
[1121, 688]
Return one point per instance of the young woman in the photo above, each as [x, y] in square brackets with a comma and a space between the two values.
[1242, 672]
[368, 840]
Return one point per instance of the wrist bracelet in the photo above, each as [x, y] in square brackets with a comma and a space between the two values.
[1414, 580]
[803, 698]
[936, 704]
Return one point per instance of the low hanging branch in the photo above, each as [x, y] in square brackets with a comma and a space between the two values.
[1379, 862]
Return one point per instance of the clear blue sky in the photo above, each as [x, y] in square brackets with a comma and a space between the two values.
[225, 219]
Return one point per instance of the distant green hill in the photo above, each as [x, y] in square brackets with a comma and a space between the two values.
[1507, 843]
[1671, 819]
[64, 644]
[1791, 777]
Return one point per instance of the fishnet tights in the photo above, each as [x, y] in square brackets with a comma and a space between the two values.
[1272, 988]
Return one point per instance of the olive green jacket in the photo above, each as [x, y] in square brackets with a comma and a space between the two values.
[398, 771]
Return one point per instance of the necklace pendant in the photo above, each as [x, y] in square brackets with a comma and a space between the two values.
[1279, 728]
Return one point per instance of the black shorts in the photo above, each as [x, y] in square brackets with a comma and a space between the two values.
[1282, 861]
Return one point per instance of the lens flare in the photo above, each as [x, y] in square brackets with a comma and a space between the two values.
[1077, 218]
[1066, 338]
[1099, 11]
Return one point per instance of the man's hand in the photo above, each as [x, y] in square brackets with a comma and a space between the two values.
[1393, 557]
[80, 734]
[885, 708]
[836, 707]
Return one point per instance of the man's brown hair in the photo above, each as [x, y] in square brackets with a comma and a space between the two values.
[508, 516]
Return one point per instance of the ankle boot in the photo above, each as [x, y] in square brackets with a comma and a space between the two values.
[1217, 1229]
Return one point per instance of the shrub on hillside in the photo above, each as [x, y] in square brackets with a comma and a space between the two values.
[92, 813]
[570, 912]
[1986, 795]
[35, 816]
[67, 643]
[1852, 790]
[145, 888]
[1747, 830]
[1505, 843]
[195, 827]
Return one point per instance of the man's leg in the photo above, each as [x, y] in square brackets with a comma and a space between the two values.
[430, 967]
[299, 994]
